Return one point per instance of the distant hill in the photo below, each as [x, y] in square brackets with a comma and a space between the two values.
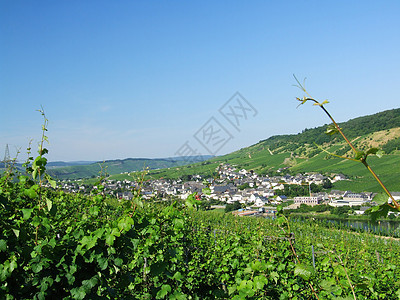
[57, 164]
[298, 153]
[118, 166]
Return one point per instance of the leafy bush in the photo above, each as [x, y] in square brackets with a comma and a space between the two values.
[392, 145]
[233, 206]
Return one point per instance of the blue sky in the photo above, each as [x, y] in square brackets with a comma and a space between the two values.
[122, 79]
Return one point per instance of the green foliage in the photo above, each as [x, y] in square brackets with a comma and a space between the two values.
[243, 186]
[341, 211]
[233, 206]
[293, 190]
[380, 121]
[392, 145]
[327, 184]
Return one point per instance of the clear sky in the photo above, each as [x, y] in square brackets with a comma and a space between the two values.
[121, 79]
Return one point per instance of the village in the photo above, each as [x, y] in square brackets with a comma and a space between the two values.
[233, 185]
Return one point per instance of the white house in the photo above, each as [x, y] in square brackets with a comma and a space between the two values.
[314, 200]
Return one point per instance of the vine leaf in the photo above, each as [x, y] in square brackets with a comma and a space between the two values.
[302, 100]
[27, 213]
[281, 220]
[50, 180]
[303, 271]
[320, 104]
[165, 289]
[125, 223]
[3, 245]
[359, 154]
[381, 198]
[377, 212]
[49, 204]
[380, 153]
[16, 232]
[32, 191]
[372, 151]
[331, 130]
[206, 191]
[329, 285]
[375, 151]
[191, 201]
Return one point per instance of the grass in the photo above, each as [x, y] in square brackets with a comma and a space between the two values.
[387, 168]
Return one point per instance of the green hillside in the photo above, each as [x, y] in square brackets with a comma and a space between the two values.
[113, 167]
[297, 153]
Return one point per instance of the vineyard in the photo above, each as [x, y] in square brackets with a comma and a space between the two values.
[58, 245]
[55, 245]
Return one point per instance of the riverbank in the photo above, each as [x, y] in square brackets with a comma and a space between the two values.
[327, 215]
[384, 227]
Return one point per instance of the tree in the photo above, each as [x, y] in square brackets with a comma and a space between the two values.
[315, 188]
[244, 186]
[205, 205]
[233, 206]
[327, 184]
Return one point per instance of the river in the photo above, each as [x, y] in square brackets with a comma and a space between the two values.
[391, 228]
